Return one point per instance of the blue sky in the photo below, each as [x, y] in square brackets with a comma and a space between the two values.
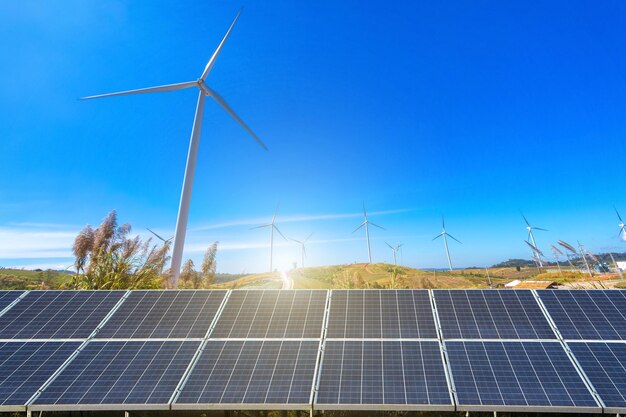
[473, 110]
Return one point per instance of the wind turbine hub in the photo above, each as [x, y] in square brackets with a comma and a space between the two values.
[203, 87]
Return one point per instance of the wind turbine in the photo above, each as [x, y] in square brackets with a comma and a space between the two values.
[622, 226]
[445, 240]
[302, 242]
[192, 155]
[272, 227]
[366, 223]
[395, 250]
[159, 237]
[531, 236]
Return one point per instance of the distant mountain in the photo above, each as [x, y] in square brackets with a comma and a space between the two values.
[514, 263]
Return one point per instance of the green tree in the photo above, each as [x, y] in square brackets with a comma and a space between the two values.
[107, 258]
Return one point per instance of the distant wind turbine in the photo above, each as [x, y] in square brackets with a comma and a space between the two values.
[185, 198]
[395, 250]
[445, 240]
[303, 249]
[622, 226]
[272, 227]
[531, 236]
[159, 237]
[366, 223]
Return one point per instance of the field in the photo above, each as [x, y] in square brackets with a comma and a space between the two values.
[22, 279]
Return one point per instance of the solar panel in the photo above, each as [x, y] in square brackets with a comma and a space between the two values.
[272, 314]
[251, 372]
[26, 366]
[164, 314]
[491, 314]
[120, 373]
[515, 376]
[605, 366]
[7, 297]
[57, 314]
[590, 315]
[380, 314]
[372, 374]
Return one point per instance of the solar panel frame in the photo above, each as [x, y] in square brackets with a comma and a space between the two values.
[36, 316]
[25, 366]
[456, 362]
[159, 309]
[8, 298]
[587, 314]
[491, 314]
[599, 359]
[352, 312]
[224, 359]
[81, 369]
[271, 314]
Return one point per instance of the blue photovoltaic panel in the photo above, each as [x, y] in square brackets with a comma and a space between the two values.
[26, 366]
[57, 314]
[381, 314]
[605, 366]
[252, 372]
[491, 314]
[164, 314]
[587, 314]
[382, 373]
[118, 373]
[272, 314]
[7, 297]
[516, 374]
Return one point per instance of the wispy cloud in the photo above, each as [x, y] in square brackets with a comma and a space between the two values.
[28, 242]
[299, 218]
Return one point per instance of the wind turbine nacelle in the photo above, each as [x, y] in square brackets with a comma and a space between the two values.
[203, 87]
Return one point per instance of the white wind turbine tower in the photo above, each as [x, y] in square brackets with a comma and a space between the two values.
[303, 249]
[192, 155]
[272, 227]
[531, 236]
[395, 250]
[445, 240]
[366, 223]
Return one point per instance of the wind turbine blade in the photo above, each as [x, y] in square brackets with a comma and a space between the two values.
[438, 236]
[618, 216]
[308, 237]
[260, 227]
[220, 100]
[374, 224]
[211, 62]
[159, 237]
[297, 241]
[525, 219]
[390, 247]
[159, 89]
[449, 235]
[399, 246]
[275, 213]
[362, 224]
[539, 228]
[279, 232]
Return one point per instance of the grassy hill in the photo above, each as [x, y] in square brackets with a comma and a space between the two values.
[22, 279]
[381, 275]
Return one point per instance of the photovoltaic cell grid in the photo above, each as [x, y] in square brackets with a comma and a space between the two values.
[491, 314]
[383, 372]
[589, 314]
[117, 373]
[522, 374]
[26, 366]
[7, 297]
[605, 366]
[57, 314]
[380, 314]
[164, 314]
[252, 372]
[272, 314]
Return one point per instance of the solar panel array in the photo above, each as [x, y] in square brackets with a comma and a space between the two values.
[464, 350]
